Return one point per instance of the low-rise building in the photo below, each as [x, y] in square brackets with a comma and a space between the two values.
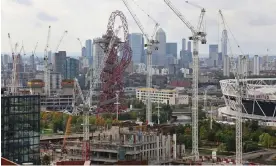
[165, 96]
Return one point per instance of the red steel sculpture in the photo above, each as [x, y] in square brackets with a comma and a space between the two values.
[114, 67]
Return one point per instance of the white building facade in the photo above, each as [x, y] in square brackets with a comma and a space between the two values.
[164, 96]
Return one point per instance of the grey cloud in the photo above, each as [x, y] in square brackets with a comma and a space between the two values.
[24, 2]
[263, 21]
[46, 17]
[37, 25]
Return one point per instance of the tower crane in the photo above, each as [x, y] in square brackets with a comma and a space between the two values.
[240, 90]
[151, 44]
[33, 55]
[60, 40]
[197, 35]
[14, 83]
[47, 65]
[80, 42]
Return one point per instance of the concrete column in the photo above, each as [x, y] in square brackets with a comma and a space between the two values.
[174, 146]
[124, 139]
[168, 146]
[157, 148]
[163, 147]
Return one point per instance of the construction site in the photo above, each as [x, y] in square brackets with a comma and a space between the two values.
[123, 143]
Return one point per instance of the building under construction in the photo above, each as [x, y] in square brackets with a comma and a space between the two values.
[126, 144]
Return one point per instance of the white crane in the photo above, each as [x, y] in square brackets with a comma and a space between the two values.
[197, 35]
[87, 105]
[47, 89]
[240, 75]
[15, 58]
[151, 44]
[60, 40]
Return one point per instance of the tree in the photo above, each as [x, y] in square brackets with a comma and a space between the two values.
[230, 143]
[92, 120]
[133, 115]
[254, 135]
[253, 125]
[211, 136]
[222, 147]
[180, 129]
[45, 160]
[220, 136]
[203, 132]
[249, 146]
[266, 140]
[187, 130]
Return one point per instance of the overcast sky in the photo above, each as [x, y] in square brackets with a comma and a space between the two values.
[253, 22]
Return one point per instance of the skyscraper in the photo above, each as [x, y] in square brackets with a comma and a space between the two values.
[171, 49]
[72, 68]
[183, 48]
[98, 54]
[88, 46]
[213, 54]
[136, 42]
[189, 51]
[243, 64]
[256, 68]
[226, 66]
[32, 62]
[224, 39]
[161, 52]
[59, 62]
[83, 51]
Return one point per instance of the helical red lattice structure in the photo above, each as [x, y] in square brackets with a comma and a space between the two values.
[112, 74]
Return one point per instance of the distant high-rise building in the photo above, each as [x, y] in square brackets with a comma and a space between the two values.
[226, 66]
[6, 59]
[189, 51]
[83, 51]
[243, 64]
[136, 42]
[89, 49]
[220, 62]
[161, 52]
[72, 68]
[183, 48]
[224, 39]
[32, 62]
[256, 69]
[171, 49]
[59, 62]
[213, 54]
[98, 54]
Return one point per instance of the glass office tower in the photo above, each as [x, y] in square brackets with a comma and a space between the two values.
[20, 128]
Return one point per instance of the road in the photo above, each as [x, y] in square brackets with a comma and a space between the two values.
[255, 154]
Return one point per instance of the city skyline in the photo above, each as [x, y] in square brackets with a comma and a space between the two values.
[34, 17]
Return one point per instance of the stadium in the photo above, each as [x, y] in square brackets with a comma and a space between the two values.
[258, 99]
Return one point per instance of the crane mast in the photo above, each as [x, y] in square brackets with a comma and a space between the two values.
[87, 102]
[14, 83]
[151, 44]
[197, 36]
[47, 66]
[239, 74]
